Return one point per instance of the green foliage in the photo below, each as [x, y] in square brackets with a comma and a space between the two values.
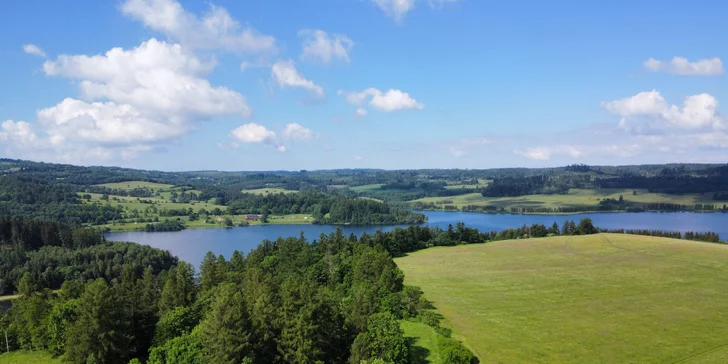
[186, 349]
[176, 322]
[225, 331]
[383, 339]
[453, 351]
[179, 289]
[61, 318]
[100, 334]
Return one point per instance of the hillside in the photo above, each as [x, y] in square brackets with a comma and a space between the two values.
[598, 299]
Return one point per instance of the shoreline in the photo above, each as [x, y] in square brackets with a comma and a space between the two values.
[574, 213]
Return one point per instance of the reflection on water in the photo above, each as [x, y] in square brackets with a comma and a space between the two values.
[192, 244]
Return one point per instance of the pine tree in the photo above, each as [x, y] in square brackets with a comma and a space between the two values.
[226, 329]
[98, 335]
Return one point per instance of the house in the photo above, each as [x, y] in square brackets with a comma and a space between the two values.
[252, 217]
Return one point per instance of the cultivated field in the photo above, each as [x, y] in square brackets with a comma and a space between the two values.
[575, 197]
[587, 299]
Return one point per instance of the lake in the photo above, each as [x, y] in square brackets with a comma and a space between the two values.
[191, 245]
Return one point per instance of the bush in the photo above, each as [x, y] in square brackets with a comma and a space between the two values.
[430, 318]
[453, 351]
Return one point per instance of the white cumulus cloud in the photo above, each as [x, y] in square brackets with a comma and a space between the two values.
[256, 133]
[132, 100]
[698, 111]
[33, 49]
[383, 101]
[215, 30]
[396, 9]
[321, 46]
[296, 131]
[682, 66]
[361, 111]
[284, 73]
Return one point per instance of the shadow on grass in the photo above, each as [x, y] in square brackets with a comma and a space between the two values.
[418, 354]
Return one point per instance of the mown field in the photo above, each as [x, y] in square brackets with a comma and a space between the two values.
[28, 357]
[586, 299]
[575, 197]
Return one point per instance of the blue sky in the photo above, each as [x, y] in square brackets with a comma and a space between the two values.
[278, 84]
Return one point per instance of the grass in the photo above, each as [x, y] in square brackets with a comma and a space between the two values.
[28, 357]
[588, 299]
[129, 185]
[267, 191]
[160, 203]
[367, 188]
[425, 341]
[575, 197]
[481, 183]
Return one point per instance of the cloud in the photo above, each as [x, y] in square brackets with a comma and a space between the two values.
[156, 77]
[361, 112]
[358, 157]
[320, 46]
[383, 101]
[397, 9]
[458, 152]
[545, 153]
[297, 132]
[132, 100]
[698, 111]
[285, 75]
[681, 66]
[257, 134]
[259, 63]
[216, 30]
[33, 49]
[462, 147]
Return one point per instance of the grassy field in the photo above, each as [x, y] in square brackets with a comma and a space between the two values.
[129, 185]
[481, 183]
[586, 299]
[425, 341]
[365, 188]
[160, 203]
[28, 357]
[575, 197]
[267, 191]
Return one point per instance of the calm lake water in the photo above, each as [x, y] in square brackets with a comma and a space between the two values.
[191, 245]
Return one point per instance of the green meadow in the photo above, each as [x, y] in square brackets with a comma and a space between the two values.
[603, 298]
[145, 208]
[575, 197]
[28, 357]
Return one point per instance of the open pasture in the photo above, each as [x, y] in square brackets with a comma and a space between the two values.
[604, 298]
